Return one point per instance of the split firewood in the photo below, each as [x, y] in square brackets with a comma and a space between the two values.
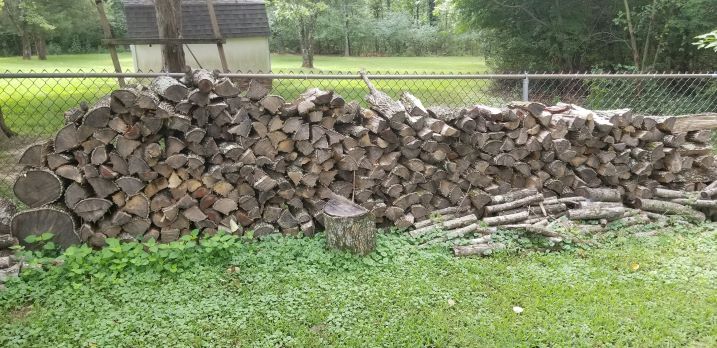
[40, 220]
[160, 161]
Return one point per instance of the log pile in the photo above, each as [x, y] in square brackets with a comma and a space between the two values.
[199, 153]
[9, 265]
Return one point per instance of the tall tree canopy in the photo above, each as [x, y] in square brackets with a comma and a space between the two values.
[579, 35]
[370, 27]
[54, 26]
[302, 15]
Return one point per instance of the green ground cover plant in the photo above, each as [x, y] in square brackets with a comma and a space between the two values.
[228, 291]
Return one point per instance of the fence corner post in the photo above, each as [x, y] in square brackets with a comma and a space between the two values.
[526, 85]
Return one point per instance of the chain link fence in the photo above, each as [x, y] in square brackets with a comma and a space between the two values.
[33, 103]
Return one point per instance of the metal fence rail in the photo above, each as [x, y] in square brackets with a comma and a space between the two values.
[33, 103]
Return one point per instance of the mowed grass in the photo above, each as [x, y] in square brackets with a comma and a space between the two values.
[279, 63]
[450, 65]
[66, 63]
[290, 292]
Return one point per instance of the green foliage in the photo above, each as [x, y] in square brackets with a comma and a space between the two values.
[68, 26]
[707, 41]
[292, 292]
[578, 35]
[80, 264]
[374, 28]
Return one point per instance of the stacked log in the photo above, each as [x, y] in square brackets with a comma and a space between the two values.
[9, 265]
[161, 160]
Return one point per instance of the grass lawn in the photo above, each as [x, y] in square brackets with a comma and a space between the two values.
[286, 62]
[279, 62]
[287, 292]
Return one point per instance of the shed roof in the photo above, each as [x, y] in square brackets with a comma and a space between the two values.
[236, 18]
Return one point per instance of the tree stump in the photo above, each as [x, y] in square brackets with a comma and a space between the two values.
[349, 227]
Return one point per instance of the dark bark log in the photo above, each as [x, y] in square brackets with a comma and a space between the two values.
[41, 220]
[38, 187]
[92, 209]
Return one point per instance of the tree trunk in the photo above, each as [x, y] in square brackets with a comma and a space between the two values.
[5, 131]
[307, 44]
[169, 22]
[431, 15]
[41, 47]
[347, 43]
[631, 31]
[26, 47]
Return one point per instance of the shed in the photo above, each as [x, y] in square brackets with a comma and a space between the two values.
[242, 23]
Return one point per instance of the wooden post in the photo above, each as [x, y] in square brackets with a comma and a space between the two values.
[349, 226]
[108, 35]
[169, 24]
[217, 35]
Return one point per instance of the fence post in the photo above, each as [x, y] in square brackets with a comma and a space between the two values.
[526, 84]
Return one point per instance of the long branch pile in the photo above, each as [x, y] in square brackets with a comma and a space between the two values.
[158, 161]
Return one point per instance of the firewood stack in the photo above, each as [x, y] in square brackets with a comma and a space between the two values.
[158, 161]
[9, 266]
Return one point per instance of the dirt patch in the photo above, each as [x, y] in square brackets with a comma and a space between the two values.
[20, 314]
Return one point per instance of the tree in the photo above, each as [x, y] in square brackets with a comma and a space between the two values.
[30, 23]
[580, 35]
[375, 27]
[303, 14]
[37, 21]
[169, 22]
[708, 40]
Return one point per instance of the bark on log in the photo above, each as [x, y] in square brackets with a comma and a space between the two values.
[169, 88]
[477, 249]
[669, 208]
[514, 204]
[596, 213]
[7, 210]
[349, 226]
[601, 194]
[506, 219]
[512, 196]
[445, 225]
